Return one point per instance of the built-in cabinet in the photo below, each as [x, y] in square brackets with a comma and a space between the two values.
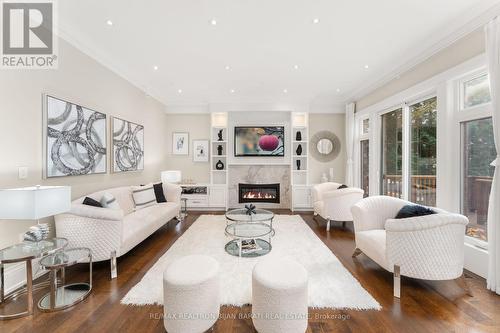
[203, 196]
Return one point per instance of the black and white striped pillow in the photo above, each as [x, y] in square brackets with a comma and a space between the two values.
[144, 196]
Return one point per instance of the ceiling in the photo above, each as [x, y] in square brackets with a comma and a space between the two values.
[260, 51]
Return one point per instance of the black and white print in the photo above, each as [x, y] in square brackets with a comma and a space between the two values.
[180, 143]
[128, 146]
[75, 139]
[200, 150]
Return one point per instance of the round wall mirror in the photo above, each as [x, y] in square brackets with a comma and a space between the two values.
[324, 146]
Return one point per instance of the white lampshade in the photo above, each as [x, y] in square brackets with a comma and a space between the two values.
[171, 176]
[33, 203]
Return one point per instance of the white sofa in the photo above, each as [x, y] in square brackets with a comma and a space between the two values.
[110, 233]
[429, 247]
[334, 204]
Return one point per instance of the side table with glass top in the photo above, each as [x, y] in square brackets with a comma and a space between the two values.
[66, 295]
[26, 252]
[257, 227]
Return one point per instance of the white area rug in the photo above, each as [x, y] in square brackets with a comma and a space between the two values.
[330, 283]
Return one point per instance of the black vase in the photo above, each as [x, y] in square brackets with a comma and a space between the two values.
[219, 135]
[298, 164]
[298, 136]
[299, 150]
[219, 150]
[219, 165]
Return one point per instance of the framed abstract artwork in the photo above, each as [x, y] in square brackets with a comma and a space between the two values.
[128, 145]
[200, 151]
[180, 143]
[75, 139]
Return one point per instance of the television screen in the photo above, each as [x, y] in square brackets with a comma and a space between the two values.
[259, 141]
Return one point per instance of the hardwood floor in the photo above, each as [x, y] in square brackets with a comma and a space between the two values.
[424, 306]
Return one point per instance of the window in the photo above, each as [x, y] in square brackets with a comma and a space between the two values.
[476, 91]
[478, 152]
[365, 166]
[365, 126]
[392, 153]
[423, 152]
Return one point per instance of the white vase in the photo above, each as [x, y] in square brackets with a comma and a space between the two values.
[331, 174]
[324, 178]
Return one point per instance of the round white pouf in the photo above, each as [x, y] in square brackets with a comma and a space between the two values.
[279, 296]
[191, 299]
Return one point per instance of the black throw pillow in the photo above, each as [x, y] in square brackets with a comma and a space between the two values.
[341, 187]
[414, 210]
[160, 196]
[91, 202]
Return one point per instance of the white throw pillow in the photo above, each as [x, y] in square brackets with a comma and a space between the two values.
[109, 201]
[144, 196]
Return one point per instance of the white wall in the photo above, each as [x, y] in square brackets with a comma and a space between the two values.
[198, 127]
[82, 80]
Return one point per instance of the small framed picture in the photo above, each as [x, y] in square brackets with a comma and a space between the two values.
[200, 151]
[180, 143]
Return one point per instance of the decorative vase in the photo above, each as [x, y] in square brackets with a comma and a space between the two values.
[219, 150]
[298, 136]
[298, 164]
[324, 179]
[219, 135]
[299, 150]
[219, 165]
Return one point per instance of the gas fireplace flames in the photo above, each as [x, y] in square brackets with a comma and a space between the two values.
[258, 195]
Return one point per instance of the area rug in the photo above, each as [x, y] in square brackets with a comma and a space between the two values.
[330, 283]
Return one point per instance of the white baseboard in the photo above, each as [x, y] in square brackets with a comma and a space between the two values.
[15, 275]
[476, 260]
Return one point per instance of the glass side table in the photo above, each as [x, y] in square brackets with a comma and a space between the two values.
[26, 252]
[66, 295]
[184, 212]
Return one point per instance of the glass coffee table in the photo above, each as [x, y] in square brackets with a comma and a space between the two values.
[251, 233]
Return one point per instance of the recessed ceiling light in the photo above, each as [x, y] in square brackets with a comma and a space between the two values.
[179, 91]
[227, 67]
[213, 22]
[109, 22]
[232, 91]
[295, 66]
[285, 91]
[155, 68]
[338, 90]
[366, 66]
[316, 20]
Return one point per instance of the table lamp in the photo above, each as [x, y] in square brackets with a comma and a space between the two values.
[34, 203]
[171, 176]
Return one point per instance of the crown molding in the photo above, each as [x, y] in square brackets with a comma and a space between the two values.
[474, 20]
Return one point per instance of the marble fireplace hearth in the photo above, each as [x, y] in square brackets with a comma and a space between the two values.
[260, 174]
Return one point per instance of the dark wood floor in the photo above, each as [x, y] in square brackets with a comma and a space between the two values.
[424, 306]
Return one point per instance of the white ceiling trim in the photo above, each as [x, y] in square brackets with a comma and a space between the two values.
[483, 15]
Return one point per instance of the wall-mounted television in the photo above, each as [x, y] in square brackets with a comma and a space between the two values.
[259, 141]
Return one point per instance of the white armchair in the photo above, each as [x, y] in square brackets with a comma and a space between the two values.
[334, 204]
[429, 247]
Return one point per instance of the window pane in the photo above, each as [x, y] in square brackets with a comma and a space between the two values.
[477, 91]
[365, 166]
[392, 151]
[478, 152]
[366, 126]
[423, 152]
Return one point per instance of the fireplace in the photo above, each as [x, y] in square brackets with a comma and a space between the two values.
[259, 193]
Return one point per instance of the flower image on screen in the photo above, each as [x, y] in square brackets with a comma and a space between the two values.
[259, 141]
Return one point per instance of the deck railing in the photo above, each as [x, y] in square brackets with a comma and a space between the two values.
[422, 188]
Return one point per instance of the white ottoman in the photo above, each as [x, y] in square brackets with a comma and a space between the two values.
[191, 299]
[279, 296]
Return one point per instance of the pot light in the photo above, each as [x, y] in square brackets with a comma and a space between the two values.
[109, 22]
[232, 91]
[155, 68]
[295, 66]
[315, 20]
[227, 67]
[366, 66]
[338, 90]
[213, 22]
[179, 91]
[285, 91]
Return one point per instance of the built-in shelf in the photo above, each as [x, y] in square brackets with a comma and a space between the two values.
[299, 141]
[218, 156]
[217, 141]
[299, 156]
[299, 170]
[256, 163]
